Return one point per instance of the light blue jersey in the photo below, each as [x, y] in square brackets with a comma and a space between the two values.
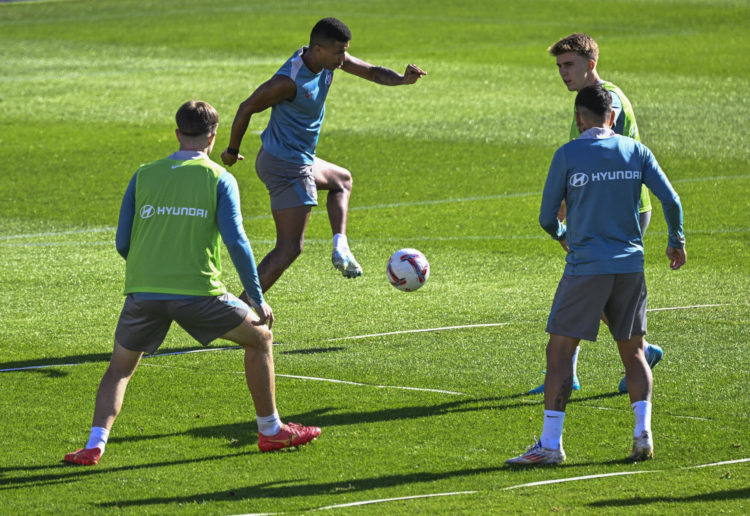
[599, 175]
[294, 127]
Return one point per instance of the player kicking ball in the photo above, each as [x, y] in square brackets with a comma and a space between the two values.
[599, 176]
[286, 161]
[172, 215]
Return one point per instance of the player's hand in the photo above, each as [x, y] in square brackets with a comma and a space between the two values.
[677, 257]
[564, 244]
[412, 74]
[265, 315]
[231, 159]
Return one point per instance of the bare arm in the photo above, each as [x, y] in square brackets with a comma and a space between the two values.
[277, 89]
[379, 74]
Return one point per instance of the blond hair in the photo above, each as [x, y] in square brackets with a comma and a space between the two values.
[580, 43]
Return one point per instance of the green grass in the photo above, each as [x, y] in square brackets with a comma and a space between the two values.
[453, 166]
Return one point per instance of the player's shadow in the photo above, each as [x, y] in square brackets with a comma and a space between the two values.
[301, 488]
[65, 473]
[716, 496]
[57, 366]
[49, 363]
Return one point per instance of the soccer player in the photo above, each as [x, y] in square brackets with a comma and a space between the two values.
[286, 161]
[599, 175]
[577, 56]
[172, 215]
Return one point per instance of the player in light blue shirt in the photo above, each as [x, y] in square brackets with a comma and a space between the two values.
[577, 56]
[287, 163]
[599, 175]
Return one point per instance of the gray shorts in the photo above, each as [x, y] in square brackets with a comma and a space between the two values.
[144, 323]
[580, 301]
[289, 184]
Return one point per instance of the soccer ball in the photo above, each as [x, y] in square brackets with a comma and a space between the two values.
[408, 269]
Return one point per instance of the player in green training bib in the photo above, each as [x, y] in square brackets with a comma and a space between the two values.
[173, 214]
[577, 56]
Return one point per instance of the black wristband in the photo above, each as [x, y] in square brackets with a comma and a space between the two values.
[233, 152]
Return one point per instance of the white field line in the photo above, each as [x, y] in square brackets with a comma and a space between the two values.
[722, 463]
[331, 380]
[628, 410]
[573, 479]
[371, 385]
[485, 325]
[621, 473]
[685, 307]
[383, 500]
[391, 205]
[420, 330]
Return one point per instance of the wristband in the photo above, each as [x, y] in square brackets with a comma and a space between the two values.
[233, 152]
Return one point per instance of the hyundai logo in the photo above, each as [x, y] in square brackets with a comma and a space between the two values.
[578, 179]
[147, 211]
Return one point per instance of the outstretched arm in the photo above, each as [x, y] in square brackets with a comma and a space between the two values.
[379, 74]
[277, 89]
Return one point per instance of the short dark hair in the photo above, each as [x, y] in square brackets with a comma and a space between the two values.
[329, 30]
[580, 43]
[595, 99]
[196, 118]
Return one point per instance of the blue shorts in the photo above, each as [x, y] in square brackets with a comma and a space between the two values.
[144, 323]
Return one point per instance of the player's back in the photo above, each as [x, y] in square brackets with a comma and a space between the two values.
[603, 187]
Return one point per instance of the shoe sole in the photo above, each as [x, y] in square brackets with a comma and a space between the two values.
[285, 446]
[641, 456]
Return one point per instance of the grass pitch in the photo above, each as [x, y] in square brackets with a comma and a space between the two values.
[453, 166]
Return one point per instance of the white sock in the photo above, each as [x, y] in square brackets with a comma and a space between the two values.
[552, 429]
[642, 410]
[340, 242]
[98, 438]
[269, 425]
[575, 361]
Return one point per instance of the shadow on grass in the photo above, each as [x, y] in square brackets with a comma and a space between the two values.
[729, 494]
[73, 473]
[44, 364]
[300, 488]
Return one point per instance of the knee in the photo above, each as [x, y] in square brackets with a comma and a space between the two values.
[342, 181]
[347, 182]
[260, 341]
[289, 251]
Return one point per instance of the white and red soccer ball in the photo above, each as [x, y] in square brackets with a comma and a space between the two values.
[408, 269]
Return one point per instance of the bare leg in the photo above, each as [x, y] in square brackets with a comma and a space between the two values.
[558, 382]
[637, 372]
[113, 385]
[338, 181]
[259, 370]
[290, 237]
